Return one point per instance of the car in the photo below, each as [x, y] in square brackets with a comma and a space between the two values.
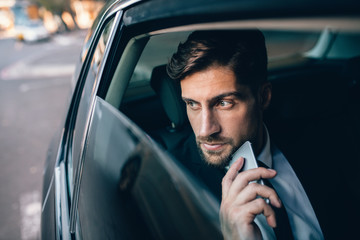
[113, 170]
[31, 31]
[27, 28]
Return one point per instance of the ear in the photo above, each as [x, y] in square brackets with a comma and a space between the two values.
[265, 95]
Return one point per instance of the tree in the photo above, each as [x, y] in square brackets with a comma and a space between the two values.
[58, 7]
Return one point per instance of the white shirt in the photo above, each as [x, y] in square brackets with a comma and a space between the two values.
[302, 218]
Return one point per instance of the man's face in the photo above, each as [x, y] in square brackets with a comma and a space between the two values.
[223, 114]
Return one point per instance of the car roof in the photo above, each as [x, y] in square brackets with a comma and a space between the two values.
[235, 9]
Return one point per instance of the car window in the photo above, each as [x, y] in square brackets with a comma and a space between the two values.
[86, 97]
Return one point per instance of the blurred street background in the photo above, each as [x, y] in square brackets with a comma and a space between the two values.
[40, 42]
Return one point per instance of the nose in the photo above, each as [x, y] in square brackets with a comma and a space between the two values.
[209, 123]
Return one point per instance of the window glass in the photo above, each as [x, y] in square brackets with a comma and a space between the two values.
[86, 98]
[103, 208]
[100, 48]
[90, 34]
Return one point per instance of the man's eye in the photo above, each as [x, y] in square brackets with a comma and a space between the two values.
[192, 105]
[225, 104]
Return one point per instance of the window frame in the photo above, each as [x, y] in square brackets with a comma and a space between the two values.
[116, 11]
[77, 96]
[89, 81]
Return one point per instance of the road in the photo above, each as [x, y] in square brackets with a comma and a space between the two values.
[35, 83]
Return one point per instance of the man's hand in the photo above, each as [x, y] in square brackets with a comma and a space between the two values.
[240, 205]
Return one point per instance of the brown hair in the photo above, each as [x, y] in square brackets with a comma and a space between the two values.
[244, 51]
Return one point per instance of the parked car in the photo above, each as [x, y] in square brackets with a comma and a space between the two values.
[31, 31]
[111, 171]
[26, 28]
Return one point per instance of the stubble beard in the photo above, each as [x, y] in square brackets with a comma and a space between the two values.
[220, 158]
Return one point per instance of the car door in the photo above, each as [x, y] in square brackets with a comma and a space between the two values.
[75, 126]
[131, 189]
[125, 185]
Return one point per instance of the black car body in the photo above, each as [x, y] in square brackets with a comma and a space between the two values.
[110, 172]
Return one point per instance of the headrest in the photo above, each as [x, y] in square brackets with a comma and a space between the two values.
[169, 92]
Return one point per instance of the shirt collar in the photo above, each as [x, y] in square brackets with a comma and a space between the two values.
[265, 154]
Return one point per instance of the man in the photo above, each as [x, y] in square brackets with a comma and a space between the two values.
[223, 78]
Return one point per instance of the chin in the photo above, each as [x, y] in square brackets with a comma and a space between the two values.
[218, 159]
[215, 159]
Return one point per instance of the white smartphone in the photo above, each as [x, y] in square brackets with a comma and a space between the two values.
[247, 153]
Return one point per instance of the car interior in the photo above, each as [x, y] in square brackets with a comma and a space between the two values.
[313, 117]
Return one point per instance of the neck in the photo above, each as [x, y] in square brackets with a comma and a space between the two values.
[260, 142]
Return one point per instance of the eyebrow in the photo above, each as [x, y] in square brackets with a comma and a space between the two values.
[188, 100]
[224, 95]
[219, 97]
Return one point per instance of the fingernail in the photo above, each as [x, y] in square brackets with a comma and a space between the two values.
[278, 204]
[271, 170]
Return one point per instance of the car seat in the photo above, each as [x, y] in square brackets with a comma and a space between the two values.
[169, 93]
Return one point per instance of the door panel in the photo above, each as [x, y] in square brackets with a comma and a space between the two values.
[103, 209]
[131, 189]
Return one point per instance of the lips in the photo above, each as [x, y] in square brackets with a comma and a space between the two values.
[213, 146]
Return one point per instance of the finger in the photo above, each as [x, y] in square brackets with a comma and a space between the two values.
[254, 190]
[231, 175]
[243, 179]
[268, 212]
[259, 206]
[246, 214]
